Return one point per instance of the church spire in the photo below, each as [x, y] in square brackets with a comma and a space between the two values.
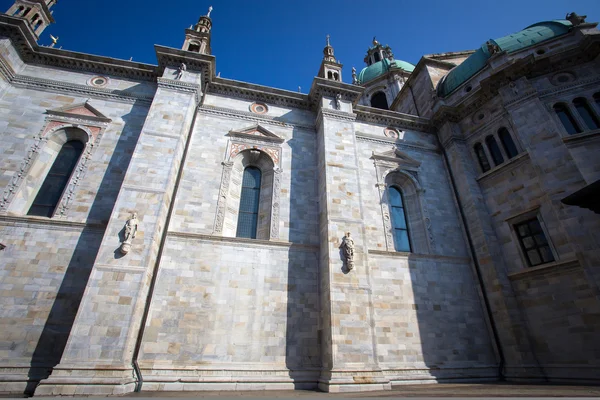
[197, 38]
[36, 12]
[330, 68]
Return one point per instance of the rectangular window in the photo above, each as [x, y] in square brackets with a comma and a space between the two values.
[533, 242]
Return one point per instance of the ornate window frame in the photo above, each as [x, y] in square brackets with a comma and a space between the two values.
[252, 146]
[396, 168]
[79, 122]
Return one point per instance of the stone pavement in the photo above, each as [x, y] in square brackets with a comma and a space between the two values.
[428, 390]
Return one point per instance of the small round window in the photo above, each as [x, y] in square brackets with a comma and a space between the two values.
[99, 81]
[259, 108]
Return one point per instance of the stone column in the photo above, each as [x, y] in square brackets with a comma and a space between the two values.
[348, 343]
[520, 361]
[98, 355]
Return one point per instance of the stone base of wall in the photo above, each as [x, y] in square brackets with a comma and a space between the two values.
[257, 378]
[74, 381]
[411, 376]
[340, 381]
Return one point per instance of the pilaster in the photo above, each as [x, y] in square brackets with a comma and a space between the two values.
[98, 354]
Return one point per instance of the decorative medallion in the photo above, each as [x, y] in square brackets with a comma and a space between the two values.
[98, 81]
[393, 133]
[259, 108]
[562, 78]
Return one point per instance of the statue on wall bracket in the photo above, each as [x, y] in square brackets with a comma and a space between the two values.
[347, 247]
[131, 227]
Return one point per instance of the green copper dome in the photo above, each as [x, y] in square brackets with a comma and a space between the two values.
[381, 67]
[529, 36]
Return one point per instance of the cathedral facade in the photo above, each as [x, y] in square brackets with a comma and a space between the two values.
[167, 229]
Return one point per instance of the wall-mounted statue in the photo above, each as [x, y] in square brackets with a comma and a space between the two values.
[182, 68]
[348, 251]
[338, 101]
[131, 227]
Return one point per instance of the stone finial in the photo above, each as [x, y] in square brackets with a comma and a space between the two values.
[131, 227]
[347, 247]
[375, 42]
[575, 19]
[354, 78]
[209, 11]
[327, 39]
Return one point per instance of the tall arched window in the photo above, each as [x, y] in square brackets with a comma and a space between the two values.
[567, 119]
[378, 100]
[507, 143]
[249, 201]
[494, 150]
[54, 185]
[481, 157]
[401, 238]
[586, 113]
[195, 47]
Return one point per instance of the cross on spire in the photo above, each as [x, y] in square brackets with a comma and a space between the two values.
[328, 37]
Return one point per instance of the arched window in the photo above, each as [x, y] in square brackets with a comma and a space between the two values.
[567, 119]
[481, 157]
[507, 143]
[494, 150]
[378, 100]
[249, 201]
[18, 11]
[195, 47]
[586, 113]
[401, 238]
[52, 189]
[377, 57]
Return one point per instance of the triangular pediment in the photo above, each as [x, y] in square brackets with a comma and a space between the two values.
[397, 156]
[82, 111]
[256, 132]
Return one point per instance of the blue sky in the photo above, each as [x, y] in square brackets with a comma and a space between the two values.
[280, 43]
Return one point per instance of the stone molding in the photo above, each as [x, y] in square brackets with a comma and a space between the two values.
[569, 87]
[181, 87]
[48, 223]
[334, 114]
[243, 90]
[265, 119]
[581, 138]
[393, 118]
[366, 137]
[241, 242]
[503, 168]
[420, 256]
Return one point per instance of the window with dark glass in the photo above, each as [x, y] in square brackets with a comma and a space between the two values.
[534, 242]
[507, 143]
[597, 98]
[54, 185]
[494, 150]
[481, 157]
[378, 100]
[567, 119]
[586, 113]
[248, 215]
[401, 238]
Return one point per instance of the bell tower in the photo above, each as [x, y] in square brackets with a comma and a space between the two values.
[36, 12]
[197, 38]
[330, 68]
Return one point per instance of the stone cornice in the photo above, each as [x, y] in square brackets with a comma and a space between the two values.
[325, 87]
[265, 94]
[25, 43]
[401, 144]
[503, 168]
[393, 118]
[170, 57]
[182, 87]
[250, 116]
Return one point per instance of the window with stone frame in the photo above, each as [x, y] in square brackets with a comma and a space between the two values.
[494, 150]
[484, 164]
[566, 119]
[249, 203]
[507, 143]
[57, 179]
[398, 217]
[586, 113]
[533, 242]
[379, 100]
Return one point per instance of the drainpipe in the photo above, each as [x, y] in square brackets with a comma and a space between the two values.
[486, 300]
[163, 240]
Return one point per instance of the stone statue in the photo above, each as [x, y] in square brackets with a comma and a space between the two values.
[182, 68]
[575, 19]
[131, 227]
[493, 48]
[338, 101]
[348, 251]
[54, 40]
[354, 78]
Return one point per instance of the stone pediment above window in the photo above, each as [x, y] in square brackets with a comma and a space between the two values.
[82, 112]
[396, 158]
[256, 132]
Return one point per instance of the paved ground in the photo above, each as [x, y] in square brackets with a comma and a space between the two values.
[433, 390]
